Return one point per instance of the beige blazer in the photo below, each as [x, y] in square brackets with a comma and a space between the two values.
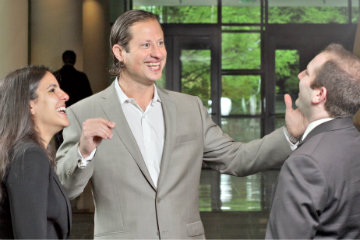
[127, 204]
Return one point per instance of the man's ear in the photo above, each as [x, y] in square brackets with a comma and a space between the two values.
[118, 52]
[320, 95]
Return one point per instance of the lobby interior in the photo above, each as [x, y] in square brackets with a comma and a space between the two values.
[246, 54]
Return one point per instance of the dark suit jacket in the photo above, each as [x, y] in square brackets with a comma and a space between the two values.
[318, 192]
[74, 83]
[35, 205]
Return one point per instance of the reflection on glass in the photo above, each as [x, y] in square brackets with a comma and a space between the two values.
[209, 191]
[241, 51]
[195, 74]
[242, 129]
[308, 11]
[180, 11]
[286, 70]
[251, 193]
[354, 11]
[240, 193]
[279, 121]
[234, 11]
[244, 93]
[240, 28]
[205, 198]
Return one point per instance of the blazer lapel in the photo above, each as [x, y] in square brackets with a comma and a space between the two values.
[169, 112]
[68, 205]
[337, 123]
[113, 111]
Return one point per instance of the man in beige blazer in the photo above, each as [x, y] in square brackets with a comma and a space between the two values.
[142, 147]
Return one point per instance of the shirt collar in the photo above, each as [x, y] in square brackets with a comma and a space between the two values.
[123, 98]
[313, 125]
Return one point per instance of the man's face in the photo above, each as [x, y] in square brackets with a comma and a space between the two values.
[146, 58]
[306, 77]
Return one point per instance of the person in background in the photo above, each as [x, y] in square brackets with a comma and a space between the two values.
[318, 191]
[142, 147]
[33, 203]
[73, 82]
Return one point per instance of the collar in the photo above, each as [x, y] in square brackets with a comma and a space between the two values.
[313, 125]
[123, 98]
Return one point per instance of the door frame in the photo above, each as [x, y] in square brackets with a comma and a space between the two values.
[194, 36]
[309, 40]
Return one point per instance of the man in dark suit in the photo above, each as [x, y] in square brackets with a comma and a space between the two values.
[73, 82]
[318, 192]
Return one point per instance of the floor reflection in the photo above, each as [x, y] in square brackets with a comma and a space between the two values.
[236, 207]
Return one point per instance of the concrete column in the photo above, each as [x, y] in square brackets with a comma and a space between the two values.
[14, 35]
[56, 26]
[96, 30]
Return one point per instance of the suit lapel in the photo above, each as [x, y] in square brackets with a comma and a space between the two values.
[337, 123]
[113, 111]
[169, 112]
[68, 205]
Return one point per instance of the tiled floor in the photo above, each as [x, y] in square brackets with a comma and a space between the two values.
[231, 207]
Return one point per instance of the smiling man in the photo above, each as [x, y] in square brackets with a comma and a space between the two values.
[142, 147]
[318, 191]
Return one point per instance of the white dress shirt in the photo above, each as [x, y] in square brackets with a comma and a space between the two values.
[313, 125]
[148, 129]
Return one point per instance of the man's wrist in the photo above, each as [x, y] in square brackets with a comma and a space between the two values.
[291, 138]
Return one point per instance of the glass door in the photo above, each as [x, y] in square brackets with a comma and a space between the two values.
[193, 63]
[193, 67]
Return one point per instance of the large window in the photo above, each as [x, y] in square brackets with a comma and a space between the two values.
[244, 12]
[180, 11]
[286, 70]
[195, 74]
[309, 11]
[244, 106]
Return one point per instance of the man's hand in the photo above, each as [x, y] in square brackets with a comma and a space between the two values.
[356, 119]
[93, 132]
[295, 121]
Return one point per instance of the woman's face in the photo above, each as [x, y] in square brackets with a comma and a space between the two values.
[48, 109]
